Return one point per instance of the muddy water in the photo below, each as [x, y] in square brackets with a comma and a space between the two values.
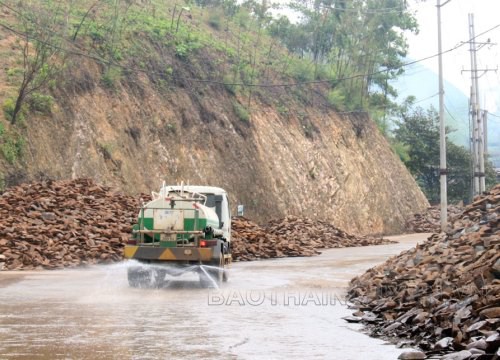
[273, 309]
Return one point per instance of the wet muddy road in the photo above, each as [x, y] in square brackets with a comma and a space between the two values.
[275, 309]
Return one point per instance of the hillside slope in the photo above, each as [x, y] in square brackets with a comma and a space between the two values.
[293, 154]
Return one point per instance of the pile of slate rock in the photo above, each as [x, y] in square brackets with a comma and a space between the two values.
[442, 296]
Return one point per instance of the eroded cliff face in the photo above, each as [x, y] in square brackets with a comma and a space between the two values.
[300, 160]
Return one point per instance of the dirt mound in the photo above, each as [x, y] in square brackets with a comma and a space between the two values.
[290, 236]
[55, 224]
[444, 294]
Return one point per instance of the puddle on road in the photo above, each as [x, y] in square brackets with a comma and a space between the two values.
[268, 310]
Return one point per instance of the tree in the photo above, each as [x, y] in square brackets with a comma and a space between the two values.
[418, 131]
[360, 42]
[41, 53]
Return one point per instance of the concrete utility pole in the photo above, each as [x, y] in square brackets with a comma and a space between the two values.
[478, 119]
[442, 134]
[482, 182]
[485, 127]
[472, 148]
[474, 101]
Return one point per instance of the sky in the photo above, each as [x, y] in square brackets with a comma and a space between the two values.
[455, 30]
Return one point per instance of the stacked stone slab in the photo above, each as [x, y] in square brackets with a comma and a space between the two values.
[290, 236]
[429, 222]
[319, 234]
[56, 224]
[444, 294]
[250, 242]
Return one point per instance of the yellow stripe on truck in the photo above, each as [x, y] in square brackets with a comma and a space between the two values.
[167, 255]
[130, 251]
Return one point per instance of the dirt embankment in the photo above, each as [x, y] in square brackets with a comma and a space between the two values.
[55, 224]
[269, 164]
[443, 295]
[292, 155]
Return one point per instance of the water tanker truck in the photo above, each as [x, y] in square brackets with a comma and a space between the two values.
[183, 228]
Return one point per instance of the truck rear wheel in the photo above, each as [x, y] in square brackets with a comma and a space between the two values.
[140, 277]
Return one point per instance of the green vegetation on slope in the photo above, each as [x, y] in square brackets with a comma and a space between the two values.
[354, 48]
[342, 53]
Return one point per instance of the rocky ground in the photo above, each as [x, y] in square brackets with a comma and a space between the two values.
[56, 224]
[444, 295]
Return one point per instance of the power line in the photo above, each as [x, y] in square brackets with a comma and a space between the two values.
[449, 113]
[427, 98]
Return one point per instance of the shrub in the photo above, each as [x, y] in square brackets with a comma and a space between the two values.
[379, 116]
[12, 149]
[336, 98]
[324, 72]
[182, 50]
[300, 70]
[41, 103]
[246, 72]
[8, 108]
[111, 77]
[186, 47]
[215, 19]
[229, 79]
[401, 150]
[107, 150]
[243, 18]
[241, 112]
[283, 110]
[13, 72]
